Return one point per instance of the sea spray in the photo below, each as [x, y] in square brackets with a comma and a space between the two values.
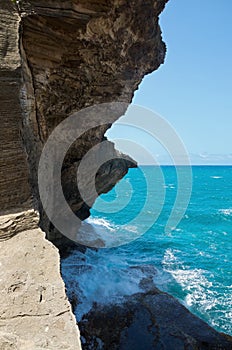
[193, 263]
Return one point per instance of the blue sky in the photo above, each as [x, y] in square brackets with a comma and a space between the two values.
[193, 89]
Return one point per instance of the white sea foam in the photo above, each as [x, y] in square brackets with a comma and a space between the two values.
[131, 228]
[107, 279]
[178, 229]
[101, 222]
[226, 212]
[192, 281]
[171, 186]
[216, 177]
[101, 276]
[99, 232]
[202, 296]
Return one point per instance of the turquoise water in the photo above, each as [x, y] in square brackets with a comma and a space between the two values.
[193, 262]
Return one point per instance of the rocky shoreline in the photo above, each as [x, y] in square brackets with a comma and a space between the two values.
[56, 58]
[145, 321]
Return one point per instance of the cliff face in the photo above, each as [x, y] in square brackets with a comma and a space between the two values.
[57, 57]
[35, 312]
[78, 54]
[15, 190]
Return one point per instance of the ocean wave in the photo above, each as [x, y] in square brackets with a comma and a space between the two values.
[102, 233]
[101, 223]
[108, 278]
[131, 228]
[193, 263]
[200, 294]
[226, 212]
[192, 281]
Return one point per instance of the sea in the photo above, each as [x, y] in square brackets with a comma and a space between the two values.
[192, 261]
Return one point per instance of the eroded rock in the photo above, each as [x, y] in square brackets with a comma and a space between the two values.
[78, 54]
[11, 224]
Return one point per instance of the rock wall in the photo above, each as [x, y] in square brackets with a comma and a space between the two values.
[15, 190]
[34, 311]
[57, 57]
[78, 54]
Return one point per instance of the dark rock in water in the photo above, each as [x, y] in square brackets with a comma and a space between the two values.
[147, 282]
[152, 320]
[148, 270]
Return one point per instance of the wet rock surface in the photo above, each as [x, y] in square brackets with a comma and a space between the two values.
[146, 321]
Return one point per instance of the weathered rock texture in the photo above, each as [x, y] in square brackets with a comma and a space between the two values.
[15, 190]
[78, 54]
[35, 312]
[152, 320]
[57, 57]
[14, 223]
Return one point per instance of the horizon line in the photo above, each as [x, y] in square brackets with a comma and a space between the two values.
[187, 165]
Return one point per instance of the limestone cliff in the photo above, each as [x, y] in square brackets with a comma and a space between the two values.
[57, 57]
[104, 54]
